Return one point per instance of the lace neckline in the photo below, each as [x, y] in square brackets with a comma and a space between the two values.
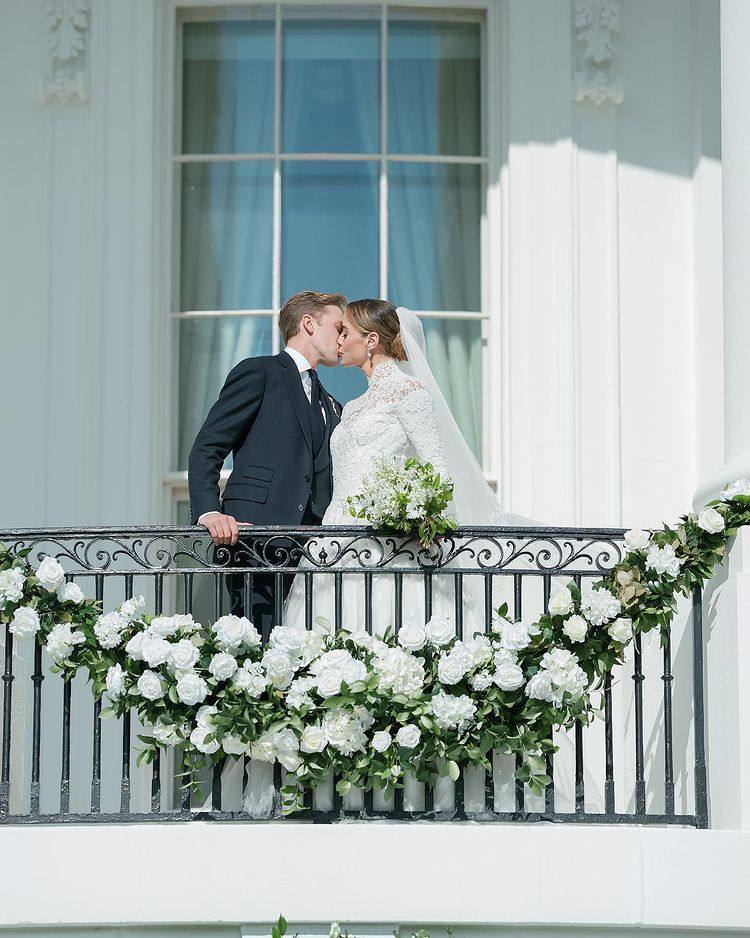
[387, 367]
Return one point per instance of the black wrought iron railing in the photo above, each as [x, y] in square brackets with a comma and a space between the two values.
[643, 762]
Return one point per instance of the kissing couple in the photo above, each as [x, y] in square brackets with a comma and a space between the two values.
[299, 455]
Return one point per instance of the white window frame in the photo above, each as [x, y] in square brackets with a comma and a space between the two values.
[488, 13]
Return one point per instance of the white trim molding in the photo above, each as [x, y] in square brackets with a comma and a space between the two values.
[67, 25]
[594, 22]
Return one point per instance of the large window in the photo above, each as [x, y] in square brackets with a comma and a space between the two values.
[333, 149]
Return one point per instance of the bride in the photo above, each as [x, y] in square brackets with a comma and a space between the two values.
[402, 414]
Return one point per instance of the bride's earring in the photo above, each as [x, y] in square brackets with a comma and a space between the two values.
[369, 355]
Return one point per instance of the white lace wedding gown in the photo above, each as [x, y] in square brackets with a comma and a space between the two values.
[394, 418]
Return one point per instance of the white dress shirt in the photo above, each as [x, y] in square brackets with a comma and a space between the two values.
[304, 366]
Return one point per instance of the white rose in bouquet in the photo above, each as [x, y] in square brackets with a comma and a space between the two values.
[341, 662]
[329, 683]
[278, 666]
[313, 739]
[150, 685]
[508, 676]
[539, 686]
[599, 605]
[301, 645]
[408, 736]
[50, 575]
[132, 607]
[134, 646]
[440, 631]
[71, 593]
[412, 636]
[109, 628]
[185, 623]
[381, 741]
[61, 640]
[198, 739]
[480, 649]
[453, 712]
[514, 635]
[286, 749]
[233, 745]
[191, 688]
[663, 560]
[452, 667]
[223, 666]
[637, 539]
[561, 603]
[163, 626]
[183, 655]
[251, 678]
[621, 630]
[165, 734]
[575, 627]
[116, 681]
[25, 622]
[155, 650]
[11, 585]
[234, 632]
[711, 521]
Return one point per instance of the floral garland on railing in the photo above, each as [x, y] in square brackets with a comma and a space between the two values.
[365, 708]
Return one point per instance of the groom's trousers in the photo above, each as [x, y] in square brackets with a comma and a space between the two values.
[263, 585]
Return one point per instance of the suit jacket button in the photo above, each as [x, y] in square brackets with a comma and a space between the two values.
[300, 507]
[307, 478]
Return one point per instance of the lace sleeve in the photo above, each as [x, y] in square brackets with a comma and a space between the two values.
[416, 414]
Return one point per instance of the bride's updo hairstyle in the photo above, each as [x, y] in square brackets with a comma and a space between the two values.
[378, 316]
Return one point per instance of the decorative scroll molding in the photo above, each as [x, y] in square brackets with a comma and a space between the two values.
[67, 24]
[594, 22]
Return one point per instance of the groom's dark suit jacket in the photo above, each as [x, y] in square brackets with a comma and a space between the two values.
[262, 416]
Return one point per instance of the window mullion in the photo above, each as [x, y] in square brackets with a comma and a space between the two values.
[276, 252]
[383, 150]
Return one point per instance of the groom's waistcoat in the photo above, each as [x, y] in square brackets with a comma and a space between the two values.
[262, 416]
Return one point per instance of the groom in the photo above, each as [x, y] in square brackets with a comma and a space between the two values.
[276, 419]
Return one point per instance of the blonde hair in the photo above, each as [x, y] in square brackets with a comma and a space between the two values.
[381, 317]
[306, 303]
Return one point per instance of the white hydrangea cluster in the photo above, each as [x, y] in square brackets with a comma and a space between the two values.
[559, 673]
[399, 672]
[599, 605]
[453, 712]
[663, 560]
[11, 585]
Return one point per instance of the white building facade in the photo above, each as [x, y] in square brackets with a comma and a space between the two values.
[542, 180]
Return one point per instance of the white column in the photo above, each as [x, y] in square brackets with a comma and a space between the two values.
[735, 142]
[727, 600]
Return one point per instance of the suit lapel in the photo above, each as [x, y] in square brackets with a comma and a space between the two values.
[297, 395]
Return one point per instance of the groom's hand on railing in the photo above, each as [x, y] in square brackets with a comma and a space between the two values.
[222, 528]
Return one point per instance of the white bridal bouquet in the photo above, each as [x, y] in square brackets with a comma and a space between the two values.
[411, 499]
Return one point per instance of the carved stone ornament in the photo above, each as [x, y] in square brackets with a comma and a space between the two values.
[67, 25]
[594, 22]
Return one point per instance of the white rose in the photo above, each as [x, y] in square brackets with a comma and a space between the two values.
[381, 741]
[61, 639]
[408, 736]
[223, 666]
[205, 715]
[440, 630]
[575, 628]
[251, 679]
[738, 487]
[637, 539]
[155, 650]
[313, 739]
[134, 647]
[412, 636]
[183, 655]
[198, 739]
[286, 749]
[71, 593]
[278, 666]
[515, 635]
[150, 685]
[621, 630]
[50, 575]
[115, 681]
[451, 669]
[185, 623]
[508, 676]
[233, 745]
[539, 686]
[232, 632]
[164, 626]
[191, 688]
[11, 585]
[329, 683]
[561, 603]
[25, 622]
[165, 734]
[710, 520]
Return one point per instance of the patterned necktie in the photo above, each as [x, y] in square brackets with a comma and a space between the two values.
[316, 416]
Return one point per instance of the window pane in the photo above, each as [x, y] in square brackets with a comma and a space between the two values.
[434, 102]
[227, 87]
[331, 86]
[454, 350]
[330, 228]
[433, 237]
[343, 383]
[209, 348]
[227, 235]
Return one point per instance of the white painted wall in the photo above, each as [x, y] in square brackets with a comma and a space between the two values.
[608, 314]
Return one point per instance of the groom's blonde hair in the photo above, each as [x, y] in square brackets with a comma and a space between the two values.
[306, 303]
